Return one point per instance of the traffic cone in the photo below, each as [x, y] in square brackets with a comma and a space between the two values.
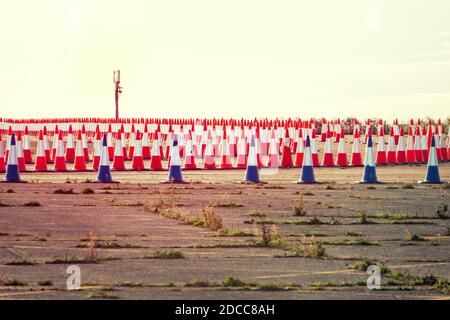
[40, 162]
[118, 159]
[401, 154]
[396, 131]
[79, 162]
[59, 164]
[341, 159]
[131, 142]
[137, 162]
[70, 150]
[299, 152]
[124, 144]
[175, 175]
[418, 146]
[12, 170]
[232, 143]
[370, 173]
[2, 156]
[241, 160]
[19, 151]
[391, 152]
[410, 153]
[286, 156]
[432, 175]
[225, 159]
[252, 171]
[381, 149]
[104, 171]
[145, 144]
[327, 160]
[84, 144]
[55, 142]
[97, 151]
[26, 146]
[314, 154]
[356, 159]
[307, 175]
[155, 160]
[46, 145]
[208, 161]
[273, 161]
[324, 131]
[109, 141]
[189, 156]
[437, 143]
[444, 151]
[424, 143]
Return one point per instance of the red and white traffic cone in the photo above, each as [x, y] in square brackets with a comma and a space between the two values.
[410, 153]
[356, 159]
[55, 142]
[85, 144]
[70, 150]
[300, 150]
[97, 151]
[444, 151]
[27, 147]
[241, 160]
[424, 143]
[313, 145]
[437, 143]
[341, 159]
[324, 131]
[381, 149]
[232, 142]
[286, 156]
[131, 142]
[2, 156]
[225, 159]
[418, 146]
[8, 140]
[40, 162]
[109, 142]
[46, 145]
[138, 161]
[20, 157]
[401, 154]
[208, 161]
[189, 156]
[391, 152]
[327, 160]
[118, 160]
[155, 160]
[396, 131]
[274, 153]
[59, 163]
[146, 154]
[79, 163]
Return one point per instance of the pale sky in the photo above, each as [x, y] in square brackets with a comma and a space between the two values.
[230, 58]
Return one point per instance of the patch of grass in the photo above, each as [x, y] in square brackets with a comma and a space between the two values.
[391, 188]
[305, 249]
[361, 242]
[164, 254]
[371, 188]
[101, 294]
[363, 264]
[129, 284]
[299, 208]
[236, 233]
[330, 187]
[10, 191]
[271, 286]
[21, 262]
[442, 211]
[313, 221]
[212, 220]
[32, 204]
[88, 191]
[128, 204]
[218, 204]
[255, 213]
[199, 284]
[408, 186]
[233, 282]
[315, 234]
[14, 282]
[80, 260]
[269, 237]
[110, 245]
[308, 193]
[334, 284]
[353, 234]
[414, 237]
[45, 283]
[64, 191]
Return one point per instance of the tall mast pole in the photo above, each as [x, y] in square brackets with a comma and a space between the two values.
[118, 90]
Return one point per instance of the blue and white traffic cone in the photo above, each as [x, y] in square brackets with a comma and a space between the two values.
[175, 175]
[12, 168]
[307, 166]
[432, 175]
[370, 172]
[252, 172]
[104, 170]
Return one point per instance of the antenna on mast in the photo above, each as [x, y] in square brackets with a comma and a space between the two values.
[118, 89]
